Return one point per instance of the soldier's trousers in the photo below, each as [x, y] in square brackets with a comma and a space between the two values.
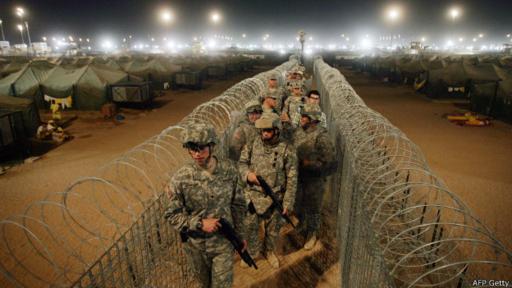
[308, 204]
[271, 222]
[213, 266]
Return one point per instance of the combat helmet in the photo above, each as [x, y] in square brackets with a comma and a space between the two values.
[269, 94]
[198, 134]
[253, 106]
[268, 120]
[311, 110]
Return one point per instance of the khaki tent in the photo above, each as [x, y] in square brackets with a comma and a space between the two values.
[86, 85]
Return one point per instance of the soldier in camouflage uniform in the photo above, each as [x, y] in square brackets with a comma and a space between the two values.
[292, 106]
[313, 97]
[202, 192]
[273, 87]
[315, 152]
[276, 161]
[245, 132]
[269, 101]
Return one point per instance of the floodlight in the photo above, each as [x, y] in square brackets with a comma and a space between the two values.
[215, 17]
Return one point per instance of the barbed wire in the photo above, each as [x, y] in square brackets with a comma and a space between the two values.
[75, 234]
[400, 226]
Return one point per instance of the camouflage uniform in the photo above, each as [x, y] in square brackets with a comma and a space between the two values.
[292, 106]
[276, 162]
[244, 133]
[312, 144]
[196, 194]
[272, 93]
[281, 96]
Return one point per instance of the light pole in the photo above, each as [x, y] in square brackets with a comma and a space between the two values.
[2, 29]
[21, 12]
[393, 14]
[20, 28]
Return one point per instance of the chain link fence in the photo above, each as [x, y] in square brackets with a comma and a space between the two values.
[108, 230]
[398, 224]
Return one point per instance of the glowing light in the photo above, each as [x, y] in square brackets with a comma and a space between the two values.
[393, 13]
[423, 39]
[215, 17]
[366, 43]
[44, 38]
[166, 16]
[70, 38]
[20, 27]
[20, 11]
[461, 39]
[480, 35]
[243, 35]
[454, 13]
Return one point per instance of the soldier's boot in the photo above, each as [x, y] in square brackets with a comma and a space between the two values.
[310, 243]
[272, 259]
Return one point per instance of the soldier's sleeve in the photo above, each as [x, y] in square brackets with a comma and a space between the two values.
[325, 148]
[236, 143]
[291, 178]
[176, 213]
[238, 204]
[245, 161]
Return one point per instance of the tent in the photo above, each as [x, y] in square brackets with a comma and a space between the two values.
[86, 85]
[459, 75]
[30, 114]
[157, 70]
[494, 98]
[12, 67]
[25, 83]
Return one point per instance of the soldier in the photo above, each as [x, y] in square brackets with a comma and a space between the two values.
[292, 105]
[276, 162]
[246, 132]
[269, 101]
[315, 153]
[273, 86]
[201, 193]
[313, 97]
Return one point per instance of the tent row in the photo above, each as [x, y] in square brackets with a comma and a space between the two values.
[486, 80]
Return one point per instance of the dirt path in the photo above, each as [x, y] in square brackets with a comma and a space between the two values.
[474, 162]
[97, 142]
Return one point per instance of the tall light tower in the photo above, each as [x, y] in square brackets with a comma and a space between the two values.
[2, 29]
[20, 28]
[393, 14]
[21, 12]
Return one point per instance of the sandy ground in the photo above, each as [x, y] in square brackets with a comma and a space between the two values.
[474, 162]
[96, 142]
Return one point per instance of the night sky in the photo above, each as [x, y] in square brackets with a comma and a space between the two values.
[325, 20]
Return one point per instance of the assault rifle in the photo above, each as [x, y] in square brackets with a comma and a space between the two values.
[268, 192]
[227, 231]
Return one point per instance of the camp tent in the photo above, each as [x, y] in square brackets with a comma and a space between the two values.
[30, 114]
[25, 83]
[86, 85]
[459, 75]
[156, 70]
[494, 98]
